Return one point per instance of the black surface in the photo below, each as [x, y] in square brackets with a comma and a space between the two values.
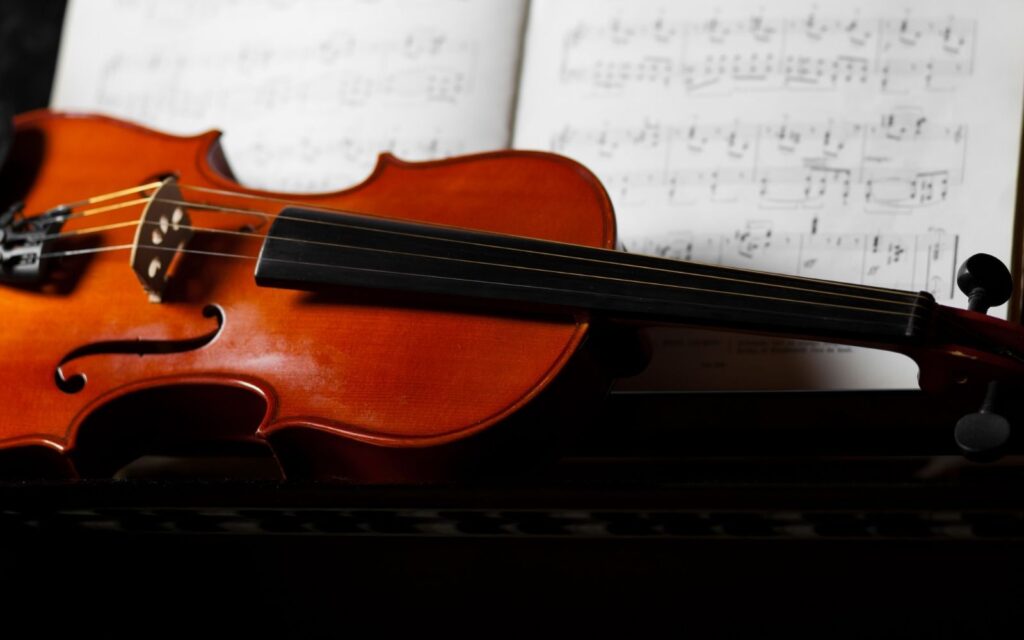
[838, 547]
[29, 35]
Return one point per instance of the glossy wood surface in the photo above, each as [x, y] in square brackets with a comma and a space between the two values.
[355, 365]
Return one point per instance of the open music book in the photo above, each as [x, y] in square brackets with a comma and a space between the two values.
[873, 142]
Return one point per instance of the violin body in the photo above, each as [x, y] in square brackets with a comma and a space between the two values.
[348, 383]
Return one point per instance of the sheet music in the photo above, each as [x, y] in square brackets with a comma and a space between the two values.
[870, 141]
[308, 92]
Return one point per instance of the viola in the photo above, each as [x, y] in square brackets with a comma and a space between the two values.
[379, 332]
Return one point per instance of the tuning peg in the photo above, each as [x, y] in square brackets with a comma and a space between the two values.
[983, 436]
[985, 280]
[987, 283]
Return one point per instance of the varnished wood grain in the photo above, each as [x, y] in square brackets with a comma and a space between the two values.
[356, 366]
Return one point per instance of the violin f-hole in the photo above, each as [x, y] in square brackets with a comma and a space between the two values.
[138, 347]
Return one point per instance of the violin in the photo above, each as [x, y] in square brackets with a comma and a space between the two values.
[381, 332]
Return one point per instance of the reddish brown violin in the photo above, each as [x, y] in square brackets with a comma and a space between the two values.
[365, 333]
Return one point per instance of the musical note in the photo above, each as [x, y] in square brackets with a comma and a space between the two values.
[900, 162]
[350, 72]
[786, 52]
[316, 163]
[913, 262]
[823, 139]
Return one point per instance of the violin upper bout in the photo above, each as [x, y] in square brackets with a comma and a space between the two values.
[60, 157]
[526, 193]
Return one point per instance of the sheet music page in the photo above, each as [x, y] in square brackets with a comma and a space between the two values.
[870, 141]
[308, 92]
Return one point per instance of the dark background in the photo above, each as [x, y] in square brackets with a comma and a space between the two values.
[688, 499]
[29, 35]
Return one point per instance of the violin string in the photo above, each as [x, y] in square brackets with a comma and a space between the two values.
[142, 201]
[81, 252]
[264, 198]
[569, 273]
[459, 260]
[299, 203]
[648, 299]
[519, 267]
[238, 194]
[95, 211]
[510, 266]
[112, 195]
[126, 247]
[265, 216]
[89, 230]
[676, 272]
[910, 299]
[72, 233]
[215, 209]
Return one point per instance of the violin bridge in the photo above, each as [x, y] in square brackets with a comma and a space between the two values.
[164, 230]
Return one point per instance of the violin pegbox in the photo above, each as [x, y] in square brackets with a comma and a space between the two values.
[164, 230]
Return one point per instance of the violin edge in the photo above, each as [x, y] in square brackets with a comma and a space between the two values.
[214, 165]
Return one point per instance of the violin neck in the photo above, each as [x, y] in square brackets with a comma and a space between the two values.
[315, 250]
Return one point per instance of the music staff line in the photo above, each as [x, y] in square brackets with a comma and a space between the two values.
[184, 13]
[791, 53]
[900, 160]
[421, 66]
[315, 162]
[913, 262]
[336, 47]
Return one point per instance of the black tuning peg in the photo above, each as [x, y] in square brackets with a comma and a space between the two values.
[983, 436]
[985, 281]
